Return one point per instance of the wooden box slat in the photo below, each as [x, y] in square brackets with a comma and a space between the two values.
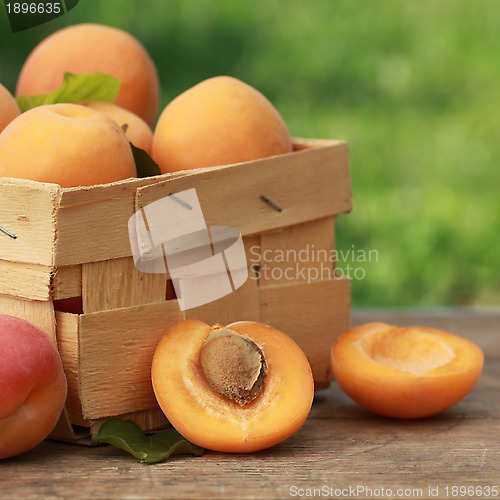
[27, 209]
[68, 328]
[241, 303]
[38, 312]
[297, 253]
[115, 353]
[27, 281]
[67, 282]
[94, 232]
[116, 283]
[295, 181]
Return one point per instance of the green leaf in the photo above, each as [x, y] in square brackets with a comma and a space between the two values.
[75, 88]
[127, 436]
[146, 166]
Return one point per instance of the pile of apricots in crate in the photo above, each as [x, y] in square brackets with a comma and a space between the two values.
[219, 121]
[237, 388]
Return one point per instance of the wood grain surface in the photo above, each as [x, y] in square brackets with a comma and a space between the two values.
[342, 451]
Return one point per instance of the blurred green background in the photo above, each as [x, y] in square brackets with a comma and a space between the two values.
[413, 86]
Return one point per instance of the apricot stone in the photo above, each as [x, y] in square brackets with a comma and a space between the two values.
[33, 386]
[8, 107]
[66, 144]
[220, 121]
[234, 365]
[86, 48]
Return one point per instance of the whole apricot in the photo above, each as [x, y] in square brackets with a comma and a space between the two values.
[8, 107]
[138, 132]
[220, 121]
[66, 144]
[33, 386]
[411, 372]
[236, 389]
[86, 48]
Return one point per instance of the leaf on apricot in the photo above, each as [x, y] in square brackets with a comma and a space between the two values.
[127, 436]
[146, 166]
[75, 88]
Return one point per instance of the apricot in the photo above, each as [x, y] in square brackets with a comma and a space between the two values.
[33, 386]
[411, 372]
[66, 144]
[86, 48]
[138, 132]
[8, 107]
[219, 121]
[237, 389]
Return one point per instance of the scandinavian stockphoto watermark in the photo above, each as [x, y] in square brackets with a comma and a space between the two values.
[205, 263]
[310, 263]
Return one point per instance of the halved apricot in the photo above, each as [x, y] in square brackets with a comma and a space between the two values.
[408, 372]
[236, 389]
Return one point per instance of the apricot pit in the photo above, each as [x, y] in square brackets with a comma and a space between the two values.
[234, 365]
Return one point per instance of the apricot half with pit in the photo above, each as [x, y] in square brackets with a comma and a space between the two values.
[236, 389]
[410, 372]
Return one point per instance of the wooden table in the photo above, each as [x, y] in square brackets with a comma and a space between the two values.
[342, 451]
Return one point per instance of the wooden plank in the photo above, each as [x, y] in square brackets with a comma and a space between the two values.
[116, 351]
[27, 209]
[240, 305]
[302, 252]
[64, 431]
[111, 284]
[67, 282]
[307, 185]
[313, 315]
[67, 332]
[27, 281]
[86, 195]
[38, 312]
[300, 143]
[89, 233]
[92, 221]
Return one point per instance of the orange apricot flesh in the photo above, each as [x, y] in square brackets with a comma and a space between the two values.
[216, 422]
[411, 372]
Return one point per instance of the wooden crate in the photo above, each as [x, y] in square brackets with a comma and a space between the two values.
[70, 271]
